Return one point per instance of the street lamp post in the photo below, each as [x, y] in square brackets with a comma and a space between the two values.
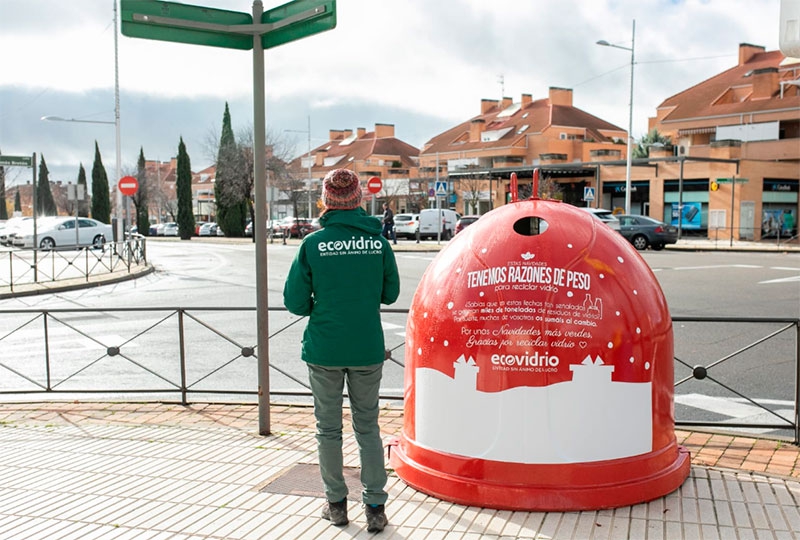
[118, 170]
[630, 116]
[115, 122]
[308, 160]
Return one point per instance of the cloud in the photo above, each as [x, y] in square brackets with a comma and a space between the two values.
[418, 64]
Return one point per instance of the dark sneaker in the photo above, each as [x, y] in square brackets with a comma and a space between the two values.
[336, 513]
[376, 518]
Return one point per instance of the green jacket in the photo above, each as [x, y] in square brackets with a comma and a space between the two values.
[340, 276]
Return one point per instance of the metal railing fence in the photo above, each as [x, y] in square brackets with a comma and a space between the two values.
[209, 353]
[722, 237]
[28, 267]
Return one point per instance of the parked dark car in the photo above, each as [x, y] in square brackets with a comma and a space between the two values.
[462, 223]
[644, 231]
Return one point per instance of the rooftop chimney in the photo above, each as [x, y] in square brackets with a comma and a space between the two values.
[526, 98]
[747, 51]
[487, 105]
[476, 127]
[560, 96]
[319, 157]
[335, 134]
[506, 102]
[360, 132]
[383, 131]
[765, 83]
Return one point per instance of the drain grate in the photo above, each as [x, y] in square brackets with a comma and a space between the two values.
[303, 480]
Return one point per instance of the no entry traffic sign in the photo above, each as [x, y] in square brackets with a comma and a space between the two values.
[374, 185]
[128, 185]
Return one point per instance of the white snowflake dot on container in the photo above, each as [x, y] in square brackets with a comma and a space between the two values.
[419, 351]
[620, 259]
[615, 313]
[638, 330]
[610, 345]
[635, 292]
[631, 359]
[484, 250]
[569, 246]
[647, 365]
[446, 343]
[450, 305]
[458, 270]
[602, 276]
[569, 294]
[481, 293]
[431, 339]
[425, 315]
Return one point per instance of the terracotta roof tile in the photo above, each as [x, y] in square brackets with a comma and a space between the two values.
[731, 92]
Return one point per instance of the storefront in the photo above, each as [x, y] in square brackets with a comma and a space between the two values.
[779, 208]
[686, 204]
[614, 197]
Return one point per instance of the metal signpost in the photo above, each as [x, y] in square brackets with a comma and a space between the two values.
[732, 181]
[170, 21]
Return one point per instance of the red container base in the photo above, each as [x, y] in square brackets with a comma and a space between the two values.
[531, 496]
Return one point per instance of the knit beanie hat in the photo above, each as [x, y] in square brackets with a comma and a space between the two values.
[341, 190]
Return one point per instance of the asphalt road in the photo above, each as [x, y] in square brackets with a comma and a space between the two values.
[200, 274]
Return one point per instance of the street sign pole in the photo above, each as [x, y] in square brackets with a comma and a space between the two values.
[171, 21]
[260, 226]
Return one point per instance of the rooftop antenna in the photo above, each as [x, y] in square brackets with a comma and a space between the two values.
[501, 80]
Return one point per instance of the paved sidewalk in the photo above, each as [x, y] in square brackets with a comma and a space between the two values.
[160, 471]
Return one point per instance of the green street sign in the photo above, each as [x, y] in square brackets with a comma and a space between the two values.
[16, 161]
[182, 23]
[728, 180]
[296, 20]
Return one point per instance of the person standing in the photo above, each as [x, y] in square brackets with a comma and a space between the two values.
[388, 223]
[339, 277]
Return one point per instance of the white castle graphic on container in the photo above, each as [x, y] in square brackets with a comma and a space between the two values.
[590, 418]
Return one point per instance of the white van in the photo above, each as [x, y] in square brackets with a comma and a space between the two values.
[433, 221]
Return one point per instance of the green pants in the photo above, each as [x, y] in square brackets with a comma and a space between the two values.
[363, 385]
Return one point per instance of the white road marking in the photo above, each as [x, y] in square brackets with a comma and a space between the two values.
[740, 410]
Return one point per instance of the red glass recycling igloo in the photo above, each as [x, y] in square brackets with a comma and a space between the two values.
[539, 368]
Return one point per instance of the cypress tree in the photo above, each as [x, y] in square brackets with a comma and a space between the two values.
[183, 187]
[83, 208]
[45, 205]
[140, 197]
[101, 202]
[17, 202]
[231, 207]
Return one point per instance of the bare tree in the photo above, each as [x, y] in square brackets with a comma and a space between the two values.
[471, 189]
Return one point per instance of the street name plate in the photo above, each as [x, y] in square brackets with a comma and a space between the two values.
[296, 20]
[151, 19]
[15, 161]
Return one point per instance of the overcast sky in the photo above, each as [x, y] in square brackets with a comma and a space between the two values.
[422, 65]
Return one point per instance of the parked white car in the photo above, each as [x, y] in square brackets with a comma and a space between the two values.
[208, 229]
[57, 232]
[406, 225]
[606, 216]
[11, 227]
[170, 229]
